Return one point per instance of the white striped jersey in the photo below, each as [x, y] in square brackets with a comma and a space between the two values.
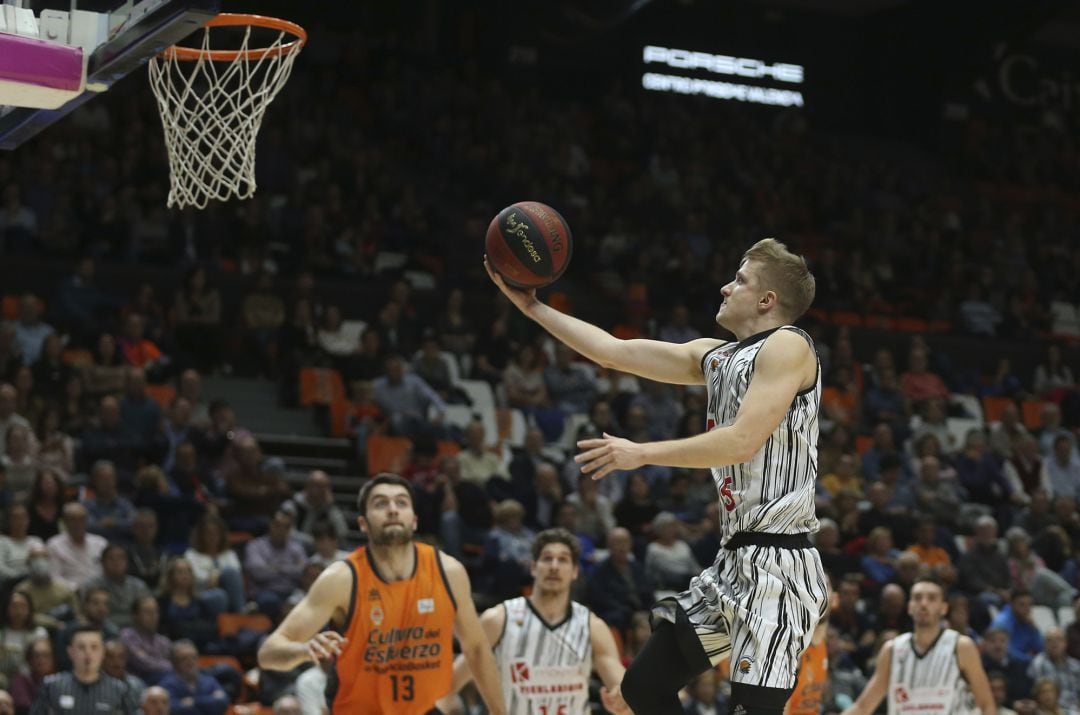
[928, 684]
[544, 668]
[64, 693]
[774, 491]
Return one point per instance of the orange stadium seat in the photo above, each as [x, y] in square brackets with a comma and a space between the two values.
[387, 454]
[939, 326]
[912, 325]
[206, 661]
[561, 302]
[251, 709]
[339, 418]
[446, 448]
[77, 357]
[161, 394]
[10, 307]
[320, 386]
[229, 624]
[239, 538]
[1031, 411]
[846, 317]
[880, 322]
[994, 406]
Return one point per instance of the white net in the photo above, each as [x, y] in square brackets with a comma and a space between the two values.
[211, 111]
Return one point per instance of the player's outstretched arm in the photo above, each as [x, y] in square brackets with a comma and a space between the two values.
[298, 638]
[967, 655]
[674, 363]
[474, 641]
[607, 664]
[784, 366]
[875, 690]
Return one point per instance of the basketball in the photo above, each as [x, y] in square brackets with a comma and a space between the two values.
[529, 244]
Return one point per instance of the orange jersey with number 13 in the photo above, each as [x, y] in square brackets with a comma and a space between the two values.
[399, 657]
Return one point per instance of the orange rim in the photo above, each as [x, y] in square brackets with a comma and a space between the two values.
[227, 19]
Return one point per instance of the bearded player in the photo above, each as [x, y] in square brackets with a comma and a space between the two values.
[394, 605]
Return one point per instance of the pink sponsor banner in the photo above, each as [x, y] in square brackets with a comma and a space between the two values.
[35, 62]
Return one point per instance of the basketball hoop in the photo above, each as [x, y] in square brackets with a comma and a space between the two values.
[212, 104]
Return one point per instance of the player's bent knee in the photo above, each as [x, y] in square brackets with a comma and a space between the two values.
[757, 699]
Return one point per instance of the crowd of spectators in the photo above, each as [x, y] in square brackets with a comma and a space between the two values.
[145, 517]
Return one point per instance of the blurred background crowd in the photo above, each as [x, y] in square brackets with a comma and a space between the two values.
[143, 496]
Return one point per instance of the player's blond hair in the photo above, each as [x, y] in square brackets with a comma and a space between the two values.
[785, 273]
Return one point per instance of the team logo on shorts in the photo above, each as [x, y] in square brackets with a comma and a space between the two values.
[745, 663]
[519, 672]
[377, 614]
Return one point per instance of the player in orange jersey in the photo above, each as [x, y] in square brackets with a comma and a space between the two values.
[394, 605]
[813, 678]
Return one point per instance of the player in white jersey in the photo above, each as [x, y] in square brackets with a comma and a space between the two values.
[931, 671]
[761, 599]
[547, 645]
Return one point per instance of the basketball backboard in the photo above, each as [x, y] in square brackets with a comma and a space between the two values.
[110, 37]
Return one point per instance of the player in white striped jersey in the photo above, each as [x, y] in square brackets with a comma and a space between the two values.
[931, 671]
[547, 645]
[762, 598]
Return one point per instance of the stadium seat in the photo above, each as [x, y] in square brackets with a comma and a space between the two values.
[912, 325]
[939, 326]
[994, 406]
[479, 393]
[1044, 618]
[251, 709]
[880, 322]
[389, 261]
[339, 418]
[457, 415]
[573, 423]
[229, 624]
[207, 661]
[846, 317]
[387, 454]
[161, 394]
[1031, 411]
[239, 538]
[958, 428]
[420, 280]
[561, 302]
[320, 386]
[353, 328]
[518, 428]
[77, 357]
[10, 307]
[969, 404]
[446, 448]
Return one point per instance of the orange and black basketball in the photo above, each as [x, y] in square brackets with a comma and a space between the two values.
[529, 244]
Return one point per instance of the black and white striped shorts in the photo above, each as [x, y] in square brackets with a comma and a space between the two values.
[758, 603]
